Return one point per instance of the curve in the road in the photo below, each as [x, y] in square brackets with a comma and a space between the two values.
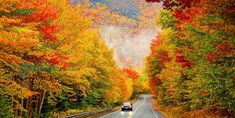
[142, 109]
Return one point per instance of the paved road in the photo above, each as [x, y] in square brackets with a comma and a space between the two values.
[141, 109]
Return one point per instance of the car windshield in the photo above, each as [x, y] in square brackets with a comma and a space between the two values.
[126, 103]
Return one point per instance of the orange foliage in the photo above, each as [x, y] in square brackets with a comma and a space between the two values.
[57, 59]
[125, 86]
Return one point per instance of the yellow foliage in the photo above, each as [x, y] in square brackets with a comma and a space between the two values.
[11, 88]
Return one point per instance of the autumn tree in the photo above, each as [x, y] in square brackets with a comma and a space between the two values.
[26, 74]
[201, 68]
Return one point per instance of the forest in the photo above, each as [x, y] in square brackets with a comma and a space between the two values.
[59, 57]
[52, 60]
[192, 62]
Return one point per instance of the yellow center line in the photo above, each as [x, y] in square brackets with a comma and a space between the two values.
[136, 109]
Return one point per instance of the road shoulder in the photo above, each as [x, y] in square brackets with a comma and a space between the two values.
[156, 108]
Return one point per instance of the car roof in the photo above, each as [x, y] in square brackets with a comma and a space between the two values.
[127, 103]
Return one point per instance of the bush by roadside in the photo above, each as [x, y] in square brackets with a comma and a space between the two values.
[179, 112]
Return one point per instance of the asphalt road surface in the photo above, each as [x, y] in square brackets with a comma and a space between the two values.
[141, 109]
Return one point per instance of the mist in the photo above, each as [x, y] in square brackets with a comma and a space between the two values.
[130, 49]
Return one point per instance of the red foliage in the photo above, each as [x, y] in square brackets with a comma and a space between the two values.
[187, 3]
[224, 47]
[178, 51]
[156, 81]
[55, 61]
[132, 74]
[55, 84]
[48, 32]
[202, 92]
[180, 59]
[42, 13]
[45, 11]
[211, 57]
[189, 10]
[60, 55]
[163, 53]
[181, 15]
[165, 59]
[153, 83]
[187, 64]
[65, 64]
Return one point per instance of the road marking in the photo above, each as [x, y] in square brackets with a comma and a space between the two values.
[136, 109]
[153, 111]
[116, 111]
[120, 110]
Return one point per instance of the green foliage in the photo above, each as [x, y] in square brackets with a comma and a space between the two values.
[27, 12]
[165, 19]
[200, 74]
[5, 108]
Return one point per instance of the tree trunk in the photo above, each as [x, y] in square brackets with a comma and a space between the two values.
[40, 108]
[36, 107]
[30, 108]
[22, 104]
[27, 106]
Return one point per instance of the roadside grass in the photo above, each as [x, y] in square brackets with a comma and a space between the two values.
[72, 112]
[178, 112]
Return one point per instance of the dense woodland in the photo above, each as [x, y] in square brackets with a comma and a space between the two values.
[192, 61]
[52, 60]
